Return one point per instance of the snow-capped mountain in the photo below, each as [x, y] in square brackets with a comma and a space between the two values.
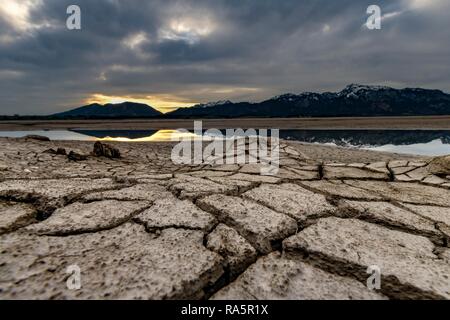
[211, 104]
[353, 100]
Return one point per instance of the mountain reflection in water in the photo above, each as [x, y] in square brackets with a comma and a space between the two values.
[345, 138]
[422, 142]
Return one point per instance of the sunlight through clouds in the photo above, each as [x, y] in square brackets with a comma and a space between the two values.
[185, 23]
[187, 29]
[426, 4]
[17, 13]
[161, 102]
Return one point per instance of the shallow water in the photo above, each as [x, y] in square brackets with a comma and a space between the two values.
[419, 142]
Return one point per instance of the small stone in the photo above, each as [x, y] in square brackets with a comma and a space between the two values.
[106, 150]
[36, 137]
[61, 151]
[73, 156]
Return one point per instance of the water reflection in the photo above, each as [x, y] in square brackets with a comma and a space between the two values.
[422, 142]
[138, 135]
[362, 138]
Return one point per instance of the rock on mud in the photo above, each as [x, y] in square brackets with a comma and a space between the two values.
[106, 150]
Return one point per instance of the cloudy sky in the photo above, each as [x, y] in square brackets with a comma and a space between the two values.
[178, 53]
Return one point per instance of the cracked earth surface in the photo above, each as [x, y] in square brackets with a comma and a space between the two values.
[141, 227]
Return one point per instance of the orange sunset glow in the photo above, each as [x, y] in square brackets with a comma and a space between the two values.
[163, 103]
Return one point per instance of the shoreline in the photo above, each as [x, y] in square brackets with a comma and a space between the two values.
[357, 123]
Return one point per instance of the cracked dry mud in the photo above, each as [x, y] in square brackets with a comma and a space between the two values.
[141, 227]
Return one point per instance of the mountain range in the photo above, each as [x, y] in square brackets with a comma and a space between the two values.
[353, 101]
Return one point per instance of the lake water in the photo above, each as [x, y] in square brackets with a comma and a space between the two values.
[419, 142]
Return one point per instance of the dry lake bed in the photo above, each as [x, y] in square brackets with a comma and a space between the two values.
[141, 227]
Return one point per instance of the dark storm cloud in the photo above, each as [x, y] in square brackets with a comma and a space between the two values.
[209, 50]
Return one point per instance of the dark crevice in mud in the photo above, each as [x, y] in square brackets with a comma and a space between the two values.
[391, 173]
[223, 281]
[83, 200]
[217, 214]
[447, 241]
[445, 236]
[159, 229]
[385, 179]
[44, 207]
[277, 245]
[390, 285]
[229, 277]
[320, 170]
[155, 233]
